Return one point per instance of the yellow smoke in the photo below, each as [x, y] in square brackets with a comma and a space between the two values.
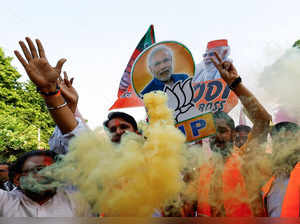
[143, 172]
[255, 167]
[136, 176]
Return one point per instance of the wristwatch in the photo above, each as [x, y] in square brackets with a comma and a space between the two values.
[50, 93]
[235, 83]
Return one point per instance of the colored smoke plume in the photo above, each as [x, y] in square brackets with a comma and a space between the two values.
[280, 81]
[132, 178]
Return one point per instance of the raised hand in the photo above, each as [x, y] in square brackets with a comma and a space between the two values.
[225, 68]
[68, 91]
[257, 113]
[37, 67]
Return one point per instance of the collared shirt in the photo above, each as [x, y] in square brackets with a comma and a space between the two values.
[156, 84]
[59, 142]
[62, 204]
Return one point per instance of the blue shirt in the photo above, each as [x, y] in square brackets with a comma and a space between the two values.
[156, 84]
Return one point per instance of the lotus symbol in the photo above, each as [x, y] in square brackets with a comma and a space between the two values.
[180, 100]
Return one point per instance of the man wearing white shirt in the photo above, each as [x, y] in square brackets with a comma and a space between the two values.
[34, 195]
[206, 70]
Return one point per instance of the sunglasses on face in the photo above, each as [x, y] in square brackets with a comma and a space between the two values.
[209, 54]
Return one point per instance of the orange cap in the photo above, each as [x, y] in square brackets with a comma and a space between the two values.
[217, 43]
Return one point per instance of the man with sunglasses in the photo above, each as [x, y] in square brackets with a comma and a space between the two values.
[206, 70]
[36, 195]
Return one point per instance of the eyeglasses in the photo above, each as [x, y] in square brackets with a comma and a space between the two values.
[210, 54]
[34, 169]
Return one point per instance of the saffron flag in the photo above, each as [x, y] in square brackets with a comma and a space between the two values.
[126, 95]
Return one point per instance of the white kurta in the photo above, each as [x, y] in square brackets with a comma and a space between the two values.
[62, 204]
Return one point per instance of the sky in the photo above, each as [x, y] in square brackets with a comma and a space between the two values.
[98, 37]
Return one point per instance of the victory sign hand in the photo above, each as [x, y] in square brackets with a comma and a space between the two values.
[226, 69]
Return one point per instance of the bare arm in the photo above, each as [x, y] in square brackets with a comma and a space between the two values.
[45, 77]
[257, 113]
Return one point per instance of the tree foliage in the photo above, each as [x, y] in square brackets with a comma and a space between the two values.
[22, 113]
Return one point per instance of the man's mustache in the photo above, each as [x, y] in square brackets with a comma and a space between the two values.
[164, 70]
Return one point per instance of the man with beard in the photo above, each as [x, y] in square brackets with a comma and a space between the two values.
[281, 192]
[222, 188]
[206, 70]
[35, 195]
[160, 64]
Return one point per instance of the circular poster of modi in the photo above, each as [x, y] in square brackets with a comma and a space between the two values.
[161, 65]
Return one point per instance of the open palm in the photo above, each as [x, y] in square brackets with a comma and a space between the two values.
[37, 67]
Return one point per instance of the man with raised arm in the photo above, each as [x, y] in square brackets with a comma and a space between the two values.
[223, 192]
[61, 98]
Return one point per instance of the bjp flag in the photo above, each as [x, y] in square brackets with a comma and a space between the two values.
[126, 95]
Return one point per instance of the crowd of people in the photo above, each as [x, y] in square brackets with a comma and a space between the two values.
[220, 192]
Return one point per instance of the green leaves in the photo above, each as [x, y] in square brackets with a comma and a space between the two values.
[297, 44]
[22, 113]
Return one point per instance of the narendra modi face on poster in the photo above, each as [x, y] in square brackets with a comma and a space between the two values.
[163, 64]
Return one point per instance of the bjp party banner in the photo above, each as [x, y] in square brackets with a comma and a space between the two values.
[198, 127]
[168, 66]
[214, 95]
[126, 96]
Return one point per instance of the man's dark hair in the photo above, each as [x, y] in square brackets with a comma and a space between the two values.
[226, 117]
[17, 167]
[284, 126]
[126, 117]
[244, 128]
